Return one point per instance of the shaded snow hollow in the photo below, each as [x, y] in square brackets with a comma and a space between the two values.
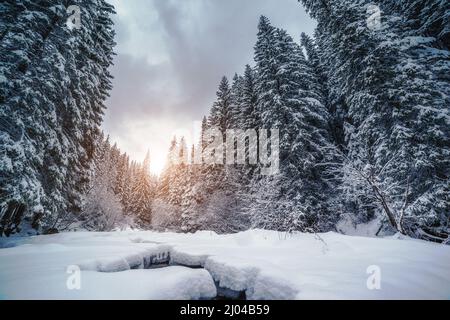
[263, 264]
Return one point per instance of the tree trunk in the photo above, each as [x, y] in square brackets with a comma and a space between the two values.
[386, 209]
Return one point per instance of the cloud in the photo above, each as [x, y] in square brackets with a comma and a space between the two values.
[172, 54]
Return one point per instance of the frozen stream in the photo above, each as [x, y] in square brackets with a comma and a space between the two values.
[250, 265]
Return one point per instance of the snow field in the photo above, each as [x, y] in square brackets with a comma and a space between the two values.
[264, 264]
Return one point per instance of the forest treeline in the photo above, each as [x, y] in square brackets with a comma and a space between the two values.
[362, 108]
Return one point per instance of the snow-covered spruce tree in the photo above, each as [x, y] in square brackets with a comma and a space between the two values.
[198, 190]
[102, 210]
[208, 204]
[181, 188]
[318, 81]
[237, 177]
[88, 90]
[129, 185]
[391, 81]
[167, 175]
[235, 101]
[202, 143]
[121, 187]
[163, 184]
[183, 152]
[126, 189]
[287, 101]
[261, 204]
[142, 194]
[427, 18]
[421, 98]
[190, 185]
[190, 198]
[315, 57]
[220, 115]
[23, 140]
[338, 72]
[178, 189]
[248, 101]
[247, 119]
[226, 183]
[165, 195]
[54, 81]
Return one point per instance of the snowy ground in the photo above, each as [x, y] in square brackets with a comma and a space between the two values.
[266, 265]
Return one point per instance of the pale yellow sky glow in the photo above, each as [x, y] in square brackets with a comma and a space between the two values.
[155, 136]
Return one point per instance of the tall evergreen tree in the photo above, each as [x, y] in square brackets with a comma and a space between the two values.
[248, 101]
[56, 81]
[102, 210]
[220, 115]
[389, 80]
[235, 102]
[287, 101]
[143, 194]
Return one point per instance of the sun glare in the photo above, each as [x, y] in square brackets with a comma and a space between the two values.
[157, 163]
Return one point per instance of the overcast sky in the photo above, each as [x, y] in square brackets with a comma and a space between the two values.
[171, 55]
